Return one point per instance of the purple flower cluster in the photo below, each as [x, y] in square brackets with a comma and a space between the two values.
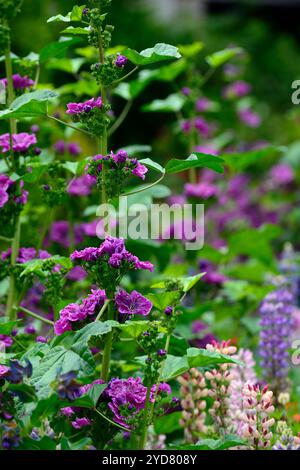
[203, 190]
[276, 312]
[132, 304]
[73, 313]
[6, 184]
[114, 251]
[200, 124]
[121, 161]
[282, 174]
[128, 398]
[85, 107]
[236, 89]
[72, 147]
[21, 142]
[249, 117]
[19, 82]
[26, 254]
[121, 61]
[81, 186]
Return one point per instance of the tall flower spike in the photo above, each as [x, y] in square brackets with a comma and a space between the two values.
[193, 390]
[276, 323]
[219, 380]
[241, 375]
[258, 407]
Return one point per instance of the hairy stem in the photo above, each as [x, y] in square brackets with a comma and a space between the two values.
[107, 348]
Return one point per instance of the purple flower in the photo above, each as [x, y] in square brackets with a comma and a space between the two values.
[249, 117]
[282, 174]
[30, 330]
[163, 388]
[87, 254]
[19, 83]
[72, 312]
[61, 326]
[161, 352]
[6, 341]
[85, 388]
[3, 371]
[276, 312]
[237, 89]
[80, 423]
[121, 61]
[59, 233]
[209, 149]
[67, 411]
[5, 184]
[60, 147]
[133, 303]
[77, 274]
[185, 91]
[41, 339]
[140, 171]
[86, 107]
[21, 142]
[186, 126]
[203, 104]
[169, 310]
[81, 186]
[128, 398]
[93, 302]
[74, 149]
[202, 127]
[203, 190]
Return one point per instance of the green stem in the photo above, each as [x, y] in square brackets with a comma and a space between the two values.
[121, 118]
[149, 412]
[107, 348]
[125, 76]
[104, 307]
[15, 245]
[35, 315]
[144, 434]
[69, 125]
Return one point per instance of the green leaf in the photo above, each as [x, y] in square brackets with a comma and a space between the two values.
[204, 358]
[196, 160]
[221, 57]
[153, 165]
[76, 31]
[134, 150]
[93, 332]
[168, 423]
[172, 103]
[79, 88]
[74, 15]
[239, 161]
[65, 64]
[163, 300]
[213, 444]
[6, 327]
[29, 105]
[186, 282]
[36, 266]
[152, 55]
[45, 443]
[57, 49]
[174, 366]
[190, 50]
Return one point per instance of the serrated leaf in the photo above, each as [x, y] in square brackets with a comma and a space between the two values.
[186, 282]
[221, 57]
[29, 105]
[172, 103]
[196, 160]
[163, 300]
[158, 53]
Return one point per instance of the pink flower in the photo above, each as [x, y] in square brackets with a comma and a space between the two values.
[249, 117]
[203, 190]
[19, 82]
[282, 174]
[3, 371]
[82, 185]
[21, 142]
[237, 89]
[140, 171]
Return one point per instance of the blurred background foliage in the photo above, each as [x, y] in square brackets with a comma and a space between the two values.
[271, 44]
